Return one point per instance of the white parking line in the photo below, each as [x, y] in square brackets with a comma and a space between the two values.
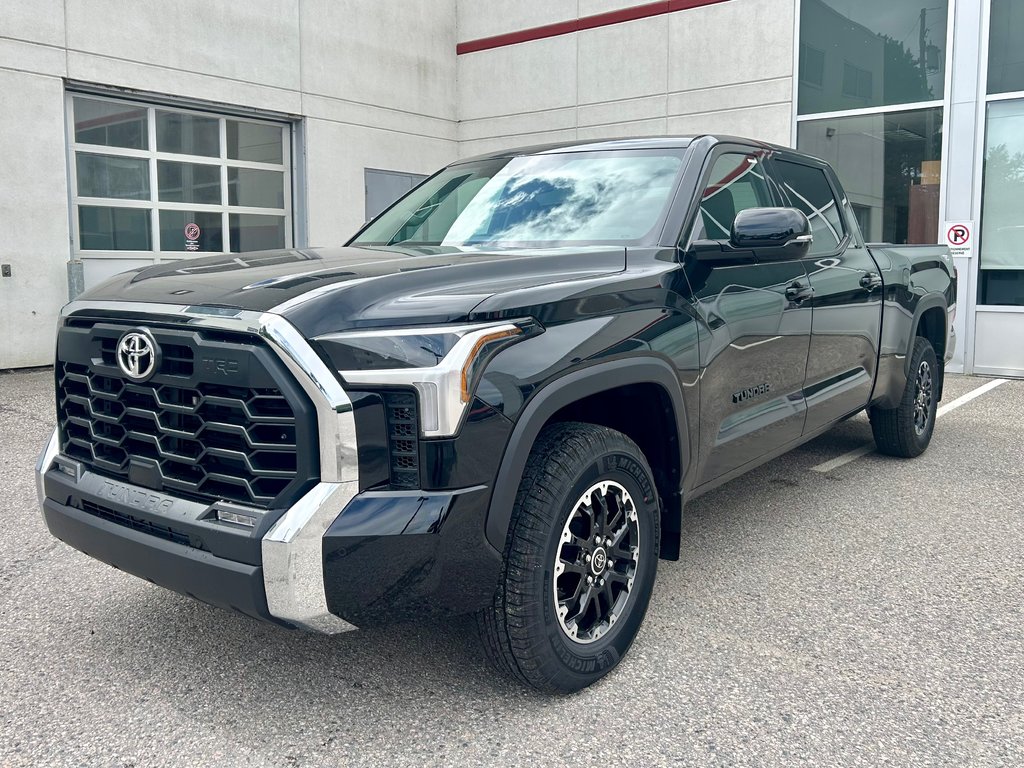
[864, 450]
[970, 396]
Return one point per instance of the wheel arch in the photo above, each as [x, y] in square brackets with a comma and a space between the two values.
[930, 318]
[583, 395]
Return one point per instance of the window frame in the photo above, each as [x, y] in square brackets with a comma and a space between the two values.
[153, 205]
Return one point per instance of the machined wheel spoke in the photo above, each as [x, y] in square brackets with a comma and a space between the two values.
[572, 567]
[585, 599]
[618, 536]
[609, 599]
[617, 578]
[622, 553]
[600, 515]
[577, 541]
[614, 523]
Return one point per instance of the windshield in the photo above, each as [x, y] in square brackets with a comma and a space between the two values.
[536, 200]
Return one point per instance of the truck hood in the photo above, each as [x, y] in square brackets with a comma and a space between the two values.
[329, 289]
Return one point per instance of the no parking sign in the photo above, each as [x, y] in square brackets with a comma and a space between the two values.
[960, 236]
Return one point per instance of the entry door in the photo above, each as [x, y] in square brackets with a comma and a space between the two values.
[846, 304]
[755, 331]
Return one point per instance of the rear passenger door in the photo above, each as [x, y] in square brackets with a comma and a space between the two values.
[753, 337]
[847, 300]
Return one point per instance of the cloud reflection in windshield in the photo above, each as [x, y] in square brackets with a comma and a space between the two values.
[561, 197]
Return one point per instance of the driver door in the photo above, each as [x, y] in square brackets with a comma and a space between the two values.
[754, 335]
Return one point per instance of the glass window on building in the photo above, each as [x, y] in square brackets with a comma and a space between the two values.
[889, 165]
[870, 53]
[1005, 51]
[168, 182]
[1001, 258]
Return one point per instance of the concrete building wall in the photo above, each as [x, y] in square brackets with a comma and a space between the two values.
[726, 67]
[366, 89]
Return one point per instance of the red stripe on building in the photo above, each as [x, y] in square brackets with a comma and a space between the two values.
[644, 11]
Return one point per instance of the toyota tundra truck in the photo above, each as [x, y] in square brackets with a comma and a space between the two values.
[495, 399]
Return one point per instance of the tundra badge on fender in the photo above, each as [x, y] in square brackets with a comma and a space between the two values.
[749, 392]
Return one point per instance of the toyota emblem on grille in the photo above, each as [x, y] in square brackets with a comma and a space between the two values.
[137, 355]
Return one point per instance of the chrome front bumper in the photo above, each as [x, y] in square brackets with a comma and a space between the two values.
[292, 550]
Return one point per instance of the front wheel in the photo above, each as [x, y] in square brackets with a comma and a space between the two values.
[907, 429]
[580, 560]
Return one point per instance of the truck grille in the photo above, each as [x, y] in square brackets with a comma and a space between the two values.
[214, 423]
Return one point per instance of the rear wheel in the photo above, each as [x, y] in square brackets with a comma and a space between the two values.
[907, 429]
[580, 560]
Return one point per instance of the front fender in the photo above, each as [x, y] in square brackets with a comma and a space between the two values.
[564, 391]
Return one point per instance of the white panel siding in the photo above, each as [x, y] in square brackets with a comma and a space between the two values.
[486, 18]
[335, 186]
[723, 68]
[623, 61]
[743, 41]
[252, 42]
[34, 212]
[515, 79]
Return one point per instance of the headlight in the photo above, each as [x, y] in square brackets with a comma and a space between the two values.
[443, 363]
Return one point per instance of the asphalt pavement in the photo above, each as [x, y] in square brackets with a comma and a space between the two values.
[868, 615]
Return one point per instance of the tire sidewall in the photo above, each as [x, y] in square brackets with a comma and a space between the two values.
[583, 663]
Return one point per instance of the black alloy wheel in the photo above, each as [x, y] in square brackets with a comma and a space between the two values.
[596, 562]
[923, 398]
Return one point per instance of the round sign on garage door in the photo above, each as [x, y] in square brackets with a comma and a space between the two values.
[192, 233]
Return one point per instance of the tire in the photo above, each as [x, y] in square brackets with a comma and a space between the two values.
[557, 648]
[907, 429]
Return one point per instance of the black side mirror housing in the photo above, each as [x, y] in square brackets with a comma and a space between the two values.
[758, 234]
[773, 234]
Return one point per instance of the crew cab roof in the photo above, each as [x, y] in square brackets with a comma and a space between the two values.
[639, 142]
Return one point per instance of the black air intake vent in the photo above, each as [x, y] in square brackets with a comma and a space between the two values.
[403, 443]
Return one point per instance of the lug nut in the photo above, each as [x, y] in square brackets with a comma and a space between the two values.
[588, 558]
[590, 579]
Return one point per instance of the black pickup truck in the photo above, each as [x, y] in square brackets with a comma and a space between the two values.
[495, 399]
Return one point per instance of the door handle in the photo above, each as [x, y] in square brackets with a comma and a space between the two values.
[871, 281]
[798, 292]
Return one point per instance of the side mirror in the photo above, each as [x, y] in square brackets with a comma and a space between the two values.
[773, 234]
